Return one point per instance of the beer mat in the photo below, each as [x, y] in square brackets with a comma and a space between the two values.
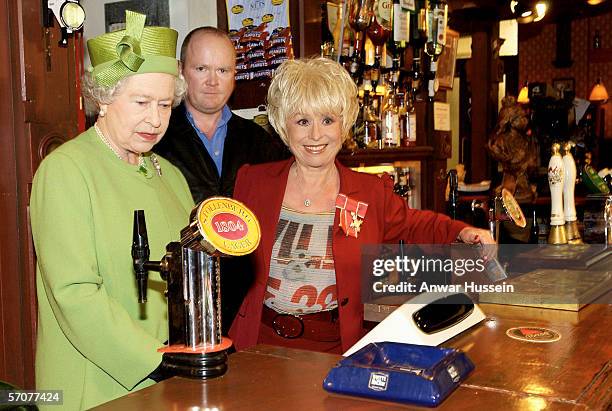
[533, 334]
[553, 288]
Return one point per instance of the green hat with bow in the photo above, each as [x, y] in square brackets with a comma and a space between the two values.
[135, 50]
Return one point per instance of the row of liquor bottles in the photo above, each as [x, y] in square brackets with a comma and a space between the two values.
[396, 24]
[420, 24]
[388, 89]
[386, 118]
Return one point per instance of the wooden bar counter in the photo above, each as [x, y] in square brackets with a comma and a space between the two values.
[574, 373]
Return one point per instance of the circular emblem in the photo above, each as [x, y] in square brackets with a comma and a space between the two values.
[228, 225]
[533, 334]
[512, 208]
[237, 9]
[267, 18]
[247, 22]
[277, 2]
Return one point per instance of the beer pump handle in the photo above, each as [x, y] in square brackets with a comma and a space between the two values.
[453, 193]
[140, 253]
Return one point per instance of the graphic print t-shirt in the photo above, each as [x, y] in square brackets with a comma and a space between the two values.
[302, 275]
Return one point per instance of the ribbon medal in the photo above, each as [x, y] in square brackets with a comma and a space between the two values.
[352, 214]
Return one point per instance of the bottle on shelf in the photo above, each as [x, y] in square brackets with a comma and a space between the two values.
[372, 136]
[436, 20]
[358, 127]
[327, 38]
[380, 28]
[412, 120]
[416, 74]
[360, 17]
[339, 46]
[402, 115]
[401, 23]
[390, 123]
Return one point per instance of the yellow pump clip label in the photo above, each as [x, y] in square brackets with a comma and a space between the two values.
[228, 225]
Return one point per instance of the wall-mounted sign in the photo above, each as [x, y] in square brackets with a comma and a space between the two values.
[261, 34]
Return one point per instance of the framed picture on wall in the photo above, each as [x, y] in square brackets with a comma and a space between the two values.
[563, 86]
[446, 62]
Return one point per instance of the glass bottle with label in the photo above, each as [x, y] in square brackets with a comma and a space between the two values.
[402, 115]
[390, 122]
[372, 137]
[412, 121]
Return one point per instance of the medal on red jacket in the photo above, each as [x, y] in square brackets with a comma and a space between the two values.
[352, 214]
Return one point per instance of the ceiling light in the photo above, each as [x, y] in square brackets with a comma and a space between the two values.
[540, 8]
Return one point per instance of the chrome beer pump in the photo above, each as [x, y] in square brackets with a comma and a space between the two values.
[218, 227]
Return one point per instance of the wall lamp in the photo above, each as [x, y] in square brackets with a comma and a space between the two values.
[69, 14]
[525, 11]
[599, 94]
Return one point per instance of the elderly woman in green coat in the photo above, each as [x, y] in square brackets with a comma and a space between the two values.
[95, 342]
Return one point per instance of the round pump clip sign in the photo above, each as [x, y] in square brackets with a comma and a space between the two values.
[229, 226]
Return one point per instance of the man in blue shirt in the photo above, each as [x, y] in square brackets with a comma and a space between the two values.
[209, 143]
[205, 140]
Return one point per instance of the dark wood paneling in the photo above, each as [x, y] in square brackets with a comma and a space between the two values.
[12, 335]
[38, 110]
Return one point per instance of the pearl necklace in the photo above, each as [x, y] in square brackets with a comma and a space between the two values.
[142, 166]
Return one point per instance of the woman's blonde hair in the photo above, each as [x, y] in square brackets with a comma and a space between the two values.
[317, 85]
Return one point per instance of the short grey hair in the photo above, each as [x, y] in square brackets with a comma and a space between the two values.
[95, 94]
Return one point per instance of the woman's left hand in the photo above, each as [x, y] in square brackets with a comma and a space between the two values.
[473, 235]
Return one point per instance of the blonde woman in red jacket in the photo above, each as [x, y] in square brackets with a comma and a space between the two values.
[306, 292]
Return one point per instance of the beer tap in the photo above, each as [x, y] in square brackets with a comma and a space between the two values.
[218, 227]
[569, 184]
[453, 194]
[556, 174]
[608, 222]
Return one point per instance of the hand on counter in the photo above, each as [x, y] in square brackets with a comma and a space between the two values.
[473, 235]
